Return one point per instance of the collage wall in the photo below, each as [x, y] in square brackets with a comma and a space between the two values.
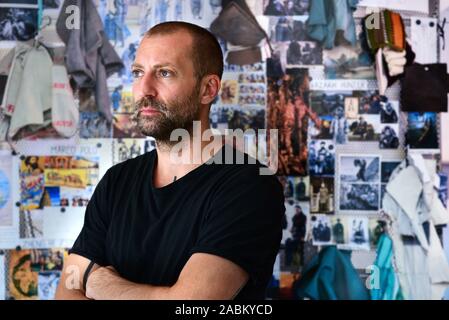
[339, 139]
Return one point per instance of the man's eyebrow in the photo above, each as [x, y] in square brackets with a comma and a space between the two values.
[156, 66]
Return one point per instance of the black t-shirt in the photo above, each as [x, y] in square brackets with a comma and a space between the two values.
[147, 234]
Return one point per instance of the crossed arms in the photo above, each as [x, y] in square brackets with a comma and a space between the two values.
[205, 276]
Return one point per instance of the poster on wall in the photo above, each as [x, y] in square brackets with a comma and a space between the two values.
[34, 274]
[55, 180]
[288, 111]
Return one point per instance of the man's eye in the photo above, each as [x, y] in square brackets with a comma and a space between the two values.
[165, 73]
[136, 73]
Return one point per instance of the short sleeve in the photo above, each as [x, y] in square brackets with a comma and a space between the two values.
[92, 238]
[244, 224]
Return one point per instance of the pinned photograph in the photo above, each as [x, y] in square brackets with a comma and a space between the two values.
[387, 168]
[18, 23]
[229, 92]
[22, 280]
[303, 53]
[422, 130]
[289, 113]
[351, 107]
[322, 195]
[359, 197]
[285, 8]
[293, 235]
[389, 112]
[94, 125]
[358, 233]
[389, 136]
[125, 149]
[288, 28]
[320, 128]
[47, 284]
[321, 230]
[347, 62]
[297, 188]
[371, 102]
[365, 128]
[359, 169]
[321, 158]
[339, 229]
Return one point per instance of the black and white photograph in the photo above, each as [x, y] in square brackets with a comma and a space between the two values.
[422, 130]
[322, 195]
[339, 229]
[125, 149]
[359, 169]
[389, 112]
[387, 168]
[18, 23]
[321, 158]
[364, 128]
[359, 197]
[358, 233]
[321, 230]
[303, 53]
[294, 233]
[286, 29]
[297, 188]
[389, 136]
[285, 7]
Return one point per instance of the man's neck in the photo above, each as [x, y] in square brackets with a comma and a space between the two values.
[176, 160]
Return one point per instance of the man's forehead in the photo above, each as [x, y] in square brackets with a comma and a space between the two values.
[171, 48]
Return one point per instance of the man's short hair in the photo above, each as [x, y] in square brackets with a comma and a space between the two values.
[207, 56]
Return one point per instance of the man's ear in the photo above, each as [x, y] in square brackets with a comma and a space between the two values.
[210, 87]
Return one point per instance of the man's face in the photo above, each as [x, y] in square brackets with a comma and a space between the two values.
[165, 89]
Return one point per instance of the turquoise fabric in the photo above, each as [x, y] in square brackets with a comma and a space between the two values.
[388, 283]
[330, 275]
[328, 16]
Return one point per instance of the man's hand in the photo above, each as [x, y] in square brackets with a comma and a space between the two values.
[100, 281]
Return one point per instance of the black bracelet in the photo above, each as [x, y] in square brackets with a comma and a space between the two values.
[86, 274]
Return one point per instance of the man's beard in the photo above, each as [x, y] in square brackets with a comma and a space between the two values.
[176, 114]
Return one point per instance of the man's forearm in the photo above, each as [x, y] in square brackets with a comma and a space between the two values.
[113, 287]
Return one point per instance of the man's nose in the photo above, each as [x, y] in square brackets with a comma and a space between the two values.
[148, 86]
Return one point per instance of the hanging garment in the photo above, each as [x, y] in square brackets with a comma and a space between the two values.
[425, 88]
[387, 280]
[412, 204]
[330, 275]
[237, 25]
[65, 113]
[329, 17]
[29, 89]
[90, 58]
